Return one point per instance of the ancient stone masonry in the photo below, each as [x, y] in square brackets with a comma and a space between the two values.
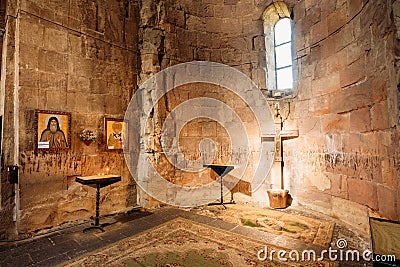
[345, 94]
[88, 57]
[77, 57]
[347, 106]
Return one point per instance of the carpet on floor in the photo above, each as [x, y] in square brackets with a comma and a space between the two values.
[182, 242]
[385, 237]
[310, 230]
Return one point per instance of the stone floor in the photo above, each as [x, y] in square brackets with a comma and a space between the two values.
[55, 247]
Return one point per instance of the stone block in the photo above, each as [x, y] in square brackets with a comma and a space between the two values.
[309, 4]
[28, 97]
[53, 80]
[356, 72]
[28, 56]
[40, 217]
[328, 6]
[369, 143]
[194, 23]
[363, 192]
[191, 129]
[326, 85]
[307, 68]
[344, 37]
[379, 87]
[304, 88]
[334, 123]
[338, 185]
[320, 201]
[35, 192]
[78, 102]
[204, 40]
[78, 84]
[337, 19]
[79, 65]
[319, 31]
[55, 98]
[213, 25]
[32, 6]
[209, 129]
[224, 11]
[28, 78]
[380, 116]
[354, 214]
[389, 174]
[387, 202]
[98, 86]
[51, 61]
[354, 97]
[309, 125]
[176, 17]
[112, 104]
[398, 205]
[231, 25]
[320, 105]
[31, 31]
[355, 51]
[355, 6]
[55, 40]
[319, 181]
[206, 10]
[97, 50]
[360, 120]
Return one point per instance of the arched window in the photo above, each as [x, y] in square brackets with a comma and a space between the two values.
[283, 55]
[278, 49]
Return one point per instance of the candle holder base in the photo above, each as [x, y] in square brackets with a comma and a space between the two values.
[278, 198]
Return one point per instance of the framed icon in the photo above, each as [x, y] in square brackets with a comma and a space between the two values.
[115, 134]
[53, 130]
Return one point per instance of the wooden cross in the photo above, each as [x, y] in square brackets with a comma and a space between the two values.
[280, 136]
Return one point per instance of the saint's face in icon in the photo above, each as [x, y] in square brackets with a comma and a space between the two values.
[54, 135]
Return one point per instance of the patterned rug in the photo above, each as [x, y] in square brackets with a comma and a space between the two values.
[182, 242]
[385, 237]
[313, 231]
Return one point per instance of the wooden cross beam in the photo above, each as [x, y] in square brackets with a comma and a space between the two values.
[278, 138]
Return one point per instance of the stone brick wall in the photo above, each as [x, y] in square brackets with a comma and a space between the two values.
[81, 57]
[346, 109]
[174, 32]
[78, 57]
[229, 32]
[8, 157]
[345, 102]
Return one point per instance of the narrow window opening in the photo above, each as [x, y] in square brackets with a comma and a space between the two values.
[283, 55]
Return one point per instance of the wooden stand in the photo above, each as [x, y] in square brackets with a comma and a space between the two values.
[97, 181]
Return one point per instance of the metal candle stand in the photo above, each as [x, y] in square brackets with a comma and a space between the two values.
[98, 181]
[221, 170]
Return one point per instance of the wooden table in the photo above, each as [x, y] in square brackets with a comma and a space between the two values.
[97, 181]
[221, 170]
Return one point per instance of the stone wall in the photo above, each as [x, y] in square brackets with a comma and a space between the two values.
[345, 96]
[346, 109]
[69, 56]
[7, 209]
[81, 57]
[174, 32]
[229, 32]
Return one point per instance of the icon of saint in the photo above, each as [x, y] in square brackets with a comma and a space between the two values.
[116, 138]
[54, 135]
